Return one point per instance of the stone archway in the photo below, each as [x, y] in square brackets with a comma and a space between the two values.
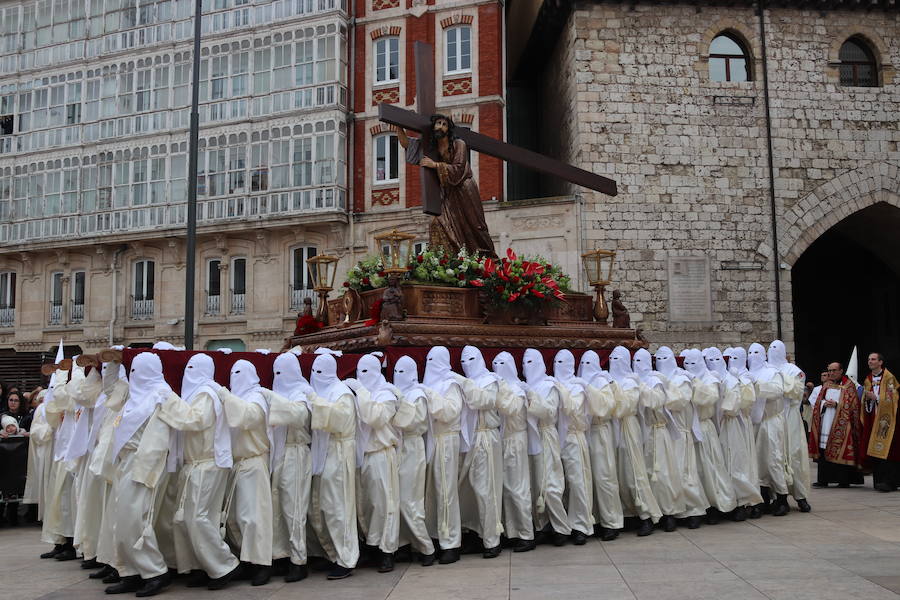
[843, 247]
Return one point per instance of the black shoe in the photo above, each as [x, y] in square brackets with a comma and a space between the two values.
[881, 487]
[296, 573]
[220, 582]
[646, 528]
[105, 571]
[197, 578]
[816, 484]
[524, 546]
[262, 575]
[739, 514]
[713, 516]
[68, 553]
[90, 564]
[803, 505]
[113, 577]
[491, 552]
[129, 584]
[767, 506]
[608, 535]
[52, 553]
[427, 560]
[154, 585]
[386, 565]
[579, 538]
[449, 556]
[780, 507]
[755, 511]
[560, 539]
[339, 572]
[668, 523]
[694, 522]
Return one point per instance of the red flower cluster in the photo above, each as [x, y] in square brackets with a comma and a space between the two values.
[514, 279]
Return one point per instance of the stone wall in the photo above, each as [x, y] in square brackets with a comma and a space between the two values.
[690, 155]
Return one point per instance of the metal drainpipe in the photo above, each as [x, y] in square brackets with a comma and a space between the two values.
[776, 255]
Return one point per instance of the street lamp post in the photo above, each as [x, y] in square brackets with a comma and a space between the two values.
[193, 150]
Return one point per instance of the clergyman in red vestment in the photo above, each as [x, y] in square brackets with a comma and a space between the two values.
[835, 431]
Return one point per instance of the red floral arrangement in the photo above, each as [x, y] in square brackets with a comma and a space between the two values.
[525, 283]
[374, 313]
[307, 324]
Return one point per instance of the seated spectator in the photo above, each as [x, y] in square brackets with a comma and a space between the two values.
[17, 410]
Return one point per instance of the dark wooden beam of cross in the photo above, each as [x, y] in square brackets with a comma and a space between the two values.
[420, 120]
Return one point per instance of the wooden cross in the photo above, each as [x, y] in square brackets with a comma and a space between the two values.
[421, 121]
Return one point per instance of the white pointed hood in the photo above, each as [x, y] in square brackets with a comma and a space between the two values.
[504, 366]
[406, 379]
[474, 367]
[146, 389]
[564, 371]
[328, 386]
[620, 364]
[199, 378]
[438, 373]
[590, 370]
[756, 359]
[535, 372]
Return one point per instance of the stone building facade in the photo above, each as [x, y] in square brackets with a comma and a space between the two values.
[631, 93]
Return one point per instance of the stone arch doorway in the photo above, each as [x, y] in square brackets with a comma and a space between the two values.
[846, 291]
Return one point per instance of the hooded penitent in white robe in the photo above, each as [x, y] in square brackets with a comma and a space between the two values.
[445, 402]
[248, 500]
[574, 451]
[59, 512]
[678, 404]
[732, 434]
[706, 398]
[513, 404]
[204, 449]
[634, 481]
[332, 510]
[770, 436]
[378, 492]
[548, 480]
[660, 448]
[481, 473]
[795, 434]
[604, 436]
[412, 422]
[139, 448]
[93, 489]
[750, 406]
[289, 416]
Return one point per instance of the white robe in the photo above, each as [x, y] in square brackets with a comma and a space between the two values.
[411, 420]
[713, 470]
[517, 520]
[771, 446]
[441, 491]
[40, 461]
[678, 394]
[634, 481]
[735, 451]
[59, 512]
[795, 433]
[576, 459]
[661, 453]
[548, 481]
[93, 489]
[248, 500]
[200, 492]
[332, 511]
[604, 470]
[291, 480]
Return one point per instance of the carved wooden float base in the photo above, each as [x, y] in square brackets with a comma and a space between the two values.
[358, 337]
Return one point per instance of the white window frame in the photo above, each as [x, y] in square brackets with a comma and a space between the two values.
[455, 31]
[387, 159]
[382, 46]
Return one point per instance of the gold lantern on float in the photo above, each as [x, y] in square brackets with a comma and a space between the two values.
[322, 268]
[598, 265]
[396, 250]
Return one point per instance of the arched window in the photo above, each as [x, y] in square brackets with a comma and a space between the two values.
[728, 60]
[858, 67]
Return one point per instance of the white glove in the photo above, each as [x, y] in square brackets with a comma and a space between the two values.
[118, 347]
[263, 351]
[352, 383]
[226, 350]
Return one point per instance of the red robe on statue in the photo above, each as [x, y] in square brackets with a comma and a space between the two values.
[844, 445]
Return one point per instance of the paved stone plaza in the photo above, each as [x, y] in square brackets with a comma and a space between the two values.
[848, 547]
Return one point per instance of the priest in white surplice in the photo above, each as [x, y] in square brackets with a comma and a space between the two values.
[378, 493]
[416, 452]
[548, 480]
[445, 401]
[204, 446]
[660, 449]
[771, 446]
[521, 439]
[289, 417]
[332, 508]
[795, 433]
[248, 501]
[481, 474]
[604, 439]
[634, 481]
[576, 456]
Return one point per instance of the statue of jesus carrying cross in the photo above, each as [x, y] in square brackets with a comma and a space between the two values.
[448, 190]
